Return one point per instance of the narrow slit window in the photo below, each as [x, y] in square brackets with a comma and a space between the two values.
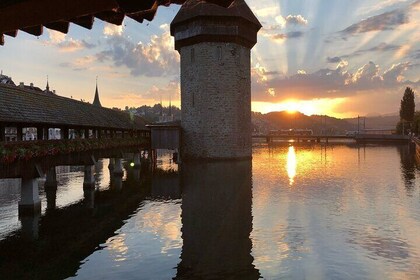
[193, 101]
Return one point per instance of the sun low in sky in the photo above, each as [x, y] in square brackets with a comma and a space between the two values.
[340, 58]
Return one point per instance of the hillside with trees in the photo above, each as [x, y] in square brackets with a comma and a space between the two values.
[263, 123]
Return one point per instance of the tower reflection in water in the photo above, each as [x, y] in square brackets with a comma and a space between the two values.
[217, 221]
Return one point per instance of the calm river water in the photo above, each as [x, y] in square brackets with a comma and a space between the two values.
[294, 212]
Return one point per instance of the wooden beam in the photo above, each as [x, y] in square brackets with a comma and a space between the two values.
[61, 26]
[86, 21]
[2, 133]
[224, 3]
[133, 6]
[12, 33]
[34, 30]
[147, 14]
[111, 17]
[35, 12]
[141, 16]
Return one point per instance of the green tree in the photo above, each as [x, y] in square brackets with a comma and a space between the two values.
[407, 110]
[407, 105]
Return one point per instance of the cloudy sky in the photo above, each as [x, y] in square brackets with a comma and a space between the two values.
[336, 57]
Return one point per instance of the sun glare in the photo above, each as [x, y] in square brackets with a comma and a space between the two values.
[291, 165]
[307, 107]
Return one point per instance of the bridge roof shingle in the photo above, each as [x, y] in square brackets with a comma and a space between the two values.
[24, 106]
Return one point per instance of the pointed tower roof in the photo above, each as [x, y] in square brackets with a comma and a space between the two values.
[200, 21]
[96, 101]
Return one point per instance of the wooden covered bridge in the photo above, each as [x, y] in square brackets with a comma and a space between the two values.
[87, 132]
[25, 107]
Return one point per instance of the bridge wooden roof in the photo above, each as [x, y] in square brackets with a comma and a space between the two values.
[32, 16]
[31, 107]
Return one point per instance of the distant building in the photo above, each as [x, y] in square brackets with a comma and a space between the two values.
[6, 80]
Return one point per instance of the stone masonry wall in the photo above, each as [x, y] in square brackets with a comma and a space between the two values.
[216, 101]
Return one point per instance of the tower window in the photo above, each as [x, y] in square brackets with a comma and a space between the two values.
[219, 53]
[192, 55]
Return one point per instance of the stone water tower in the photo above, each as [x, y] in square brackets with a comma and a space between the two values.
[214, 43]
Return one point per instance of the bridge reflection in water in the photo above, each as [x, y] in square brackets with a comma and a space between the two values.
[216, 221]
[52, 246]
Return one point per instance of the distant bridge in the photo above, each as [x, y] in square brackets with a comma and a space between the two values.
[326, 138]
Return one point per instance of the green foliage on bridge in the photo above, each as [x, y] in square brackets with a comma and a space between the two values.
[27, 150]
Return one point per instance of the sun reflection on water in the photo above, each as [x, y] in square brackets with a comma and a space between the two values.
[291, 165]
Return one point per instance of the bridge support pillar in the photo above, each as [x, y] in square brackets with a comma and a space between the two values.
[137, 160]
[89, 180]
[51, 179]
[29, 197]
[30, 226]
[50, 188]
[136, 175]
[118, 168]
[89, 197]
[116, 182]
[111, 164]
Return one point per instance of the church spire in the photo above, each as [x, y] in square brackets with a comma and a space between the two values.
[47, 88]
[96, 101]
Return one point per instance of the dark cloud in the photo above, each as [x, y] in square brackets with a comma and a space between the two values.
[416, 54]
[64, 64]
[382, 47]
[295, 34]
[329, 83]
[334, 59]
[386, 21]
[74, 45]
